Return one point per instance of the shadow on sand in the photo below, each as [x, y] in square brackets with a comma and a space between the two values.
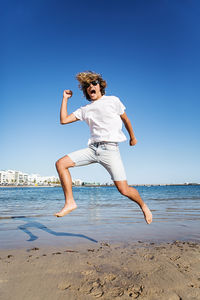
[34, 224]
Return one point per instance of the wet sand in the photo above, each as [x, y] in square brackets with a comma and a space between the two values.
[151, 271]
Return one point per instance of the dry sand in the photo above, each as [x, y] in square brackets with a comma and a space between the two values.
[168, 271]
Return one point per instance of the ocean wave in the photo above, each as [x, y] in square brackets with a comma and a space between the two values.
[23, 217]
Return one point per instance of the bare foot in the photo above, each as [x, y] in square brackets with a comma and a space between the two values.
[65, 210]
[147, 214]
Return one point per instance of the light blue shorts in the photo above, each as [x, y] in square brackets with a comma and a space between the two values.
[105, 153]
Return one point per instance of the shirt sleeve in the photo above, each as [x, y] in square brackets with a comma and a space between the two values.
[79, 113]
[120, 106]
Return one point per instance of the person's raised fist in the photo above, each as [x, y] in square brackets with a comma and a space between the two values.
[67, 94]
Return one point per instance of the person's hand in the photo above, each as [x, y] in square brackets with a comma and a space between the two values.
[67, 94]
[133, 142]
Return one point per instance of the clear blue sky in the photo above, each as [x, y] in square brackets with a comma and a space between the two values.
[149, 53]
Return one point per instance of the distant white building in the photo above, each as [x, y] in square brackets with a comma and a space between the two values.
[77, 182]
[42, 180]
[36, 178]
[19, 178]
[13, 177]
[3, 177]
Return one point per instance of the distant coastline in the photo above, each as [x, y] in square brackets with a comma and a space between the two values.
[97, 185]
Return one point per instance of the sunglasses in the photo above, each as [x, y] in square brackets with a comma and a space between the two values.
[95, 82]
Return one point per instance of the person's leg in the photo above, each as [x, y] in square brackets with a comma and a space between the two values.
[81, 157]
[133, 194]
[110, 158]
[62, 166]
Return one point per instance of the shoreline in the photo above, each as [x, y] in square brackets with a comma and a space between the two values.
[101, 185]
[146, 271]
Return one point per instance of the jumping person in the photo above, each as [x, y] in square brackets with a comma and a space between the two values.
[104, 115]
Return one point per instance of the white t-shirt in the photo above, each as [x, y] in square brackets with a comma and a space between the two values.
[103, 118]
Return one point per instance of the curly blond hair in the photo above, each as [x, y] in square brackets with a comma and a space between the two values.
[87, 77]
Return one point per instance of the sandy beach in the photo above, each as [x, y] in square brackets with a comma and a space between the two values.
[104, 249]
[152, 271]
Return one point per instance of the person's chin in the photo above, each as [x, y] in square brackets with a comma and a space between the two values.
[93, 97]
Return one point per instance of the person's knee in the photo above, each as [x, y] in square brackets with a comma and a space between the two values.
[58, 164]
[64, 163]
[124, 190]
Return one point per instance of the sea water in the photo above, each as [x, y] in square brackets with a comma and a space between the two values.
[103, 214]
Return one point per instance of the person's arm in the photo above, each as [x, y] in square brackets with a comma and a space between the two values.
[127, 124]
[64, 117]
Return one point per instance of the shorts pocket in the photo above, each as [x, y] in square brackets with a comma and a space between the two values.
[111, 147]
